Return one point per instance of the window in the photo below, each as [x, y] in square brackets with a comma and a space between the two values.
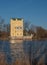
[20, 27]
[17, 27]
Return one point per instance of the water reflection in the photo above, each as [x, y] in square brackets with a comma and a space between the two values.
[16, 41]
[19, 52]
[6, 53]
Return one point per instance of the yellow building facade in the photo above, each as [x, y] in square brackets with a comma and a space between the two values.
[16, 27]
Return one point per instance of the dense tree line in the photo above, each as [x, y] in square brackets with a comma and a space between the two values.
[41, 33]
[38, 32]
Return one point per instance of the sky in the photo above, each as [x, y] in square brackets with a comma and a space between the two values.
[34, 11]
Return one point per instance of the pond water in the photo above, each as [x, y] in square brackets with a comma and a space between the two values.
[23, 52]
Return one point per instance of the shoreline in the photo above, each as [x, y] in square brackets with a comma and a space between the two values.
[4, 39]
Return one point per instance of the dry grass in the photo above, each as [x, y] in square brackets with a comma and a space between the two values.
[18, 61]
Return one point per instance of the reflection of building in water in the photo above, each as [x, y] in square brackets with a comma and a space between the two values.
[18, 54]
[16, 41]
[16, 27]
[17, 51]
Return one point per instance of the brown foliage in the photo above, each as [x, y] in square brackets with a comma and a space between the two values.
[41, 33]
[2, 59]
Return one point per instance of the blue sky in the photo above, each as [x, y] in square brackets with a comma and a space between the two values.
[34, 11]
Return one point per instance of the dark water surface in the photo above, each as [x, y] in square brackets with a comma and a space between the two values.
[23, 52]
